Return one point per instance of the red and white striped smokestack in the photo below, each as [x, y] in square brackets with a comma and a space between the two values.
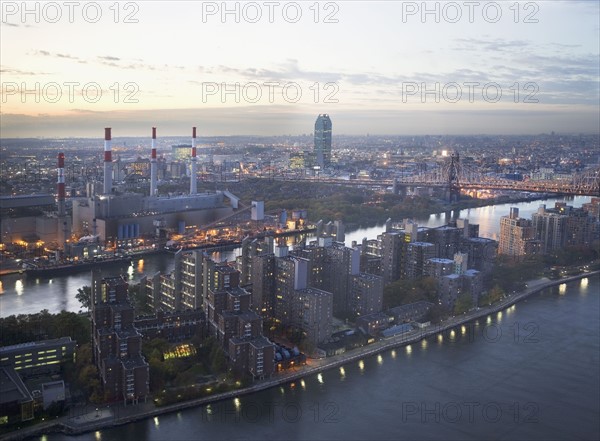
[153, 186]
[193, 187]
[61, 184]
[193, 142]
[107, 161]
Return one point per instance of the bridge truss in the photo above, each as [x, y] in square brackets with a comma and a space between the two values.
[454, 176]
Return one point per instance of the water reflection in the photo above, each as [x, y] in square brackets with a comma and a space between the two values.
[488, 218]
[562, 289]
[59, 295]
[19, 287]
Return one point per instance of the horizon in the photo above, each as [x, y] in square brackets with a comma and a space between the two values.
[311, 135]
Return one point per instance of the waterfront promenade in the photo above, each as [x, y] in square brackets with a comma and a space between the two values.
[90, 418]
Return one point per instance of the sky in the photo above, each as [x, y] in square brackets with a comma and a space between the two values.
[269, 68]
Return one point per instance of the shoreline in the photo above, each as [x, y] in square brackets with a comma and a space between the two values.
[354, 227]
[70, 426]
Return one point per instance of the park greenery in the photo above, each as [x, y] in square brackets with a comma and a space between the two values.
[83, 376]
[354, 206]
[464, 303]
[24, 328]
[202, 373]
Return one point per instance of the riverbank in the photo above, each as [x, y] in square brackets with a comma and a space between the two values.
[92, 419]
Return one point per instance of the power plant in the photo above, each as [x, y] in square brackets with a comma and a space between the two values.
[116, 216]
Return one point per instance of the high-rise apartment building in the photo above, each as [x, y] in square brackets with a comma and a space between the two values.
[116, 343]
[517, 236]
[365, 294]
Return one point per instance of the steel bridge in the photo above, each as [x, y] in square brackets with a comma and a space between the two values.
[454, 176]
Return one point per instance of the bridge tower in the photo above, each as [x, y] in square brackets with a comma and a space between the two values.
[452, 178]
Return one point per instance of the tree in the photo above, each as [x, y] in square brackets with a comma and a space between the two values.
[494, 295]
[464, 302]
[84, 295]
[218, 363]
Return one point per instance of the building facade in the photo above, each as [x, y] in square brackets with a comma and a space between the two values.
[116, 343]
[323, 140]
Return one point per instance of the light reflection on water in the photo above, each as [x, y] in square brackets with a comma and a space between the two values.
[19, 287]
[25, 296]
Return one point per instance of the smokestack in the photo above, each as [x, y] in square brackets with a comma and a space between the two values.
[193, 187]
[107, 161]
[61, 184]
[153, 188]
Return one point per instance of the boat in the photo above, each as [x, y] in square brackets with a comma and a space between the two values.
[36, 269]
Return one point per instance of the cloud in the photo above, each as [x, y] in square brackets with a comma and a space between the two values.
[56, 55]
[490, 44]
[19, 72]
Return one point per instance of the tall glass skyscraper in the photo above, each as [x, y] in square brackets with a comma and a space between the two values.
[323, 140]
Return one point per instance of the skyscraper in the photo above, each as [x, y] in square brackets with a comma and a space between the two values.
[323, 140]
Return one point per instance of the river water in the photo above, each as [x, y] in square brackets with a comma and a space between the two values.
[21, 295]
[528, 372]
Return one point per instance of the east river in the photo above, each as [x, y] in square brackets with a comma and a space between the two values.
[21, 295]
[531, 371]
[528, 372]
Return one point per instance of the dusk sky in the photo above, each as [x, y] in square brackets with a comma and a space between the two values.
[170, 67]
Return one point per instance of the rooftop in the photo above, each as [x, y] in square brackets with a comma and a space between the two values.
[35, 345]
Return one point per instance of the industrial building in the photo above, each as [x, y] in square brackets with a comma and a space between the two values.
[119, 217]
[35, 220]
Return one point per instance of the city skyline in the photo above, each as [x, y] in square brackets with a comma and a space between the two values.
[190, 63]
